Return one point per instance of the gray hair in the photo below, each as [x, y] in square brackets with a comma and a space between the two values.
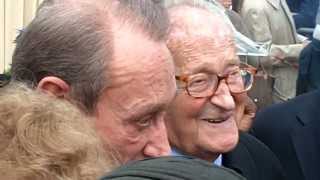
[72, 40]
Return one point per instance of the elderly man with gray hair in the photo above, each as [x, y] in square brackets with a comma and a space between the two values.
[212, 83]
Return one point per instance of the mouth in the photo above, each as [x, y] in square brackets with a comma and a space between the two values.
[217, 120]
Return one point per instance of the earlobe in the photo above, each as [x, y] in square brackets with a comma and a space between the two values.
[54, 86]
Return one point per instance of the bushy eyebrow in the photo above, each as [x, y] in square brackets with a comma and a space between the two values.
[147, 110]
[209, 70]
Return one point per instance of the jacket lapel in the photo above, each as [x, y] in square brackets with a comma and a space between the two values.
[290, 19]
[240, 161]
[277, 5]
[305, 137]
[274, 3]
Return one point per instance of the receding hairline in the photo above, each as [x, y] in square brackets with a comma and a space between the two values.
[187, 34]
[195, 20]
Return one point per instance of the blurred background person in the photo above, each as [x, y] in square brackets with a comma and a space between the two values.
[304, 17]
[42, 137]
[309, 63]
[270, 22]
[292, 131]
[294, 5]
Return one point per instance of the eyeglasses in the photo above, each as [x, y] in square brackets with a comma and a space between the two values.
[203, 85]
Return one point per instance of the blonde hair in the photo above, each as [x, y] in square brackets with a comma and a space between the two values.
[43, 137]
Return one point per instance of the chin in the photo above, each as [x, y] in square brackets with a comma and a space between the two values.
[230, 143]
[226, 143]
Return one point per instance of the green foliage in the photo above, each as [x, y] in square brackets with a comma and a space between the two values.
[6, 74]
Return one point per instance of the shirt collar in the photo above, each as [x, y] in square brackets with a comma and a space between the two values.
[316, 32]
[176, 152]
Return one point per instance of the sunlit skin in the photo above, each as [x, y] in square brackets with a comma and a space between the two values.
[206, 46]
[131, 109]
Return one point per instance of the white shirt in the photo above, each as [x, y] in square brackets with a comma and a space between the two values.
[218, 161]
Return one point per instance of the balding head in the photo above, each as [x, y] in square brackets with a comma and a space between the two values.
[110, 58]
[192, 27]
[74, 41]
[203, 51]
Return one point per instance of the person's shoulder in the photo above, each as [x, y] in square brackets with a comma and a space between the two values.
[281, 117]
[252, 143]
[267, 164]
[305, 101]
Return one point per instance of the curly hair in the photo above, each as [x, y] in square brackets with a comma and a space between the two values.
[42, 137]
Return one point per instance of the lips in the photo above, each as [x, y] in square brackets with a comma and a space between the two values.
[214, 121]
[217, 120]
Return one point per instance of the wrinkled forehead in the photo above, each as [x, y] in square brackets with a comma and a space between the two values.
[199, 37]
[203, 55]
[195, 21]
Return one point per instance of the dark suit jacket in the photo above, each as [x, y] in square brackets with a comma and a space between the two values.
[309, 68]
[253, 160]
[306, 16]
[292, 132]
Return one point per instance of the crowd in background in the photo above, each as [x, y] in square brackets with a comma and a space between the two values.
[154, 89]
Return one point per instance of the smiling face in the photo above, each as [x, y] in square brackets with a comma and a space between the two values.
[203, 127]
[130, 111]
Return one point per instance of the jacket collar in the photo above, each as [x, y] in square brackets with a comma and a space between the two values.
[275, 3]
[306, 112]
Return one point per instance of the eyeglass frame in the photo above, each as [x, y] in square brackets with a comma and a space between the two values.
[252, 70]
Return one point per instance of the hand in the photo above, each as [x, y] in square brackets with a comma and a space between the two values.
[305, 43]
[276, 54]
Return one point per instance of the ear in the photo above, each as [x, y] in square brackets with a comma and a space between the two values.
[54, 86]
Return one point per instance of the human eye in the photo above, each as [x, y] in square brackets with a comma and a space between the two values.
[145, 121]
[198, 82]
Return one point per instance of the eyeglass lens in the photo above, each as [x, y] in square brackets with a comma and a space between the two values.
[204, 86]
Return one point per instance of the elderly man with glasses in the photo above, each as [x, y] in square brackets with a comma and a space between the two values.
[201, 120]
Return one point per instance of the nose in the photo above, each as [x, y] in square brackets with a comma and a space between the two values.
[222, 97]
[158, 144]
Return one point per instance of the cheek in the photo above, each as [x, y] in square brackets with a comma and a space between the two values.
[183, 112]
[114, 131]
[191, 106]
[184, 107]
